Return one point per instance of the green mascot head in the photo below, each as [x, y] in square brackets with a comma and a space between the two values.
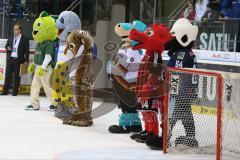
[44, 28]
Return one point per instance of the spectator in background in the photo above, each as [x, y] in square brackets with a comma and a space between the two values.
[17, 53]
[230, 9]
[146, 9]
[189, 13]
[213, 11]
[200, 8]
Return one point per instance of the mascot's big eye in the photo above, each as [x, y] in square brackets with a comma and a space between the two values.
[62, 20]
[39, 24]
[72, 45]
[184, 38]
[149, 33]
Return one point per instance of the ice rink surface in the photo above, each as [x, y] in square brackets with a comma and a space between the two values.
[39, 135]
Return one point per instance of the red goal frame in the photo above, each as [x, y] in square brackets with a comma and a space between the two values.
[219, 106]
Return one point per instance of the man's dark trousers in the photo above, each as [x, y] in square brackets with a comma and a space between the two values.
[13, 67]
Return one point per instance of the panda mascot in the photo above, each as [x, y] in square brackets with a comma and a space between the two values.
[182, 56]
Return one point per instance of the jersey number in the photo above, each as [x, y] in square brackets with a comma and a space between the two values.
[179, 64]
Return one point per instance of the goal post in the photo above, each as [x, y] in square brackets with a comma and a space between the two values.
[202, 113]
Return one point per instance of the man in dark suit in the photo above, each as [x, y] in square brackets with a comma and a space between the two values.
[17, 53]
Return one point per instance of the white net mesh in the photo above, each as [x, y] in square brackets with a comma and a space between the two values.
[193, 105]
[231, 116]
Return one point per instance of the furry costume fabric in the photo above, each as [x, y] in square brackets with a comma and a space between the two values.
[150, 85]
[80, 79]
[67, 22]
[44, 33]
[124, 68]
[151, 68]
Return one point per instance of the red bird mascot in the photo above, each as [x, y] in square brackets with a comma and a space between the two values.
[150, 83]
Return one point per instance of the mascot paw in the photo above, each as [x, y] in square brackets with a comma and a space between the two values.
[40, 71]
[31, 68]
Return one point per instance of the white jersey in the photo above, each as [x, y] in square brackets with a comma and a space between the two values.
[126, 63]
[61, 57]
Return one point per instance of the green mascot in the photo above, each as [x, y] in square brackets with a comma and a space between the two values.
[44, 33]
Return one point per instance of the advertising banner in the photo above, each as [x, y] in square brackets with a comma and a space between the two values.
[218, 36]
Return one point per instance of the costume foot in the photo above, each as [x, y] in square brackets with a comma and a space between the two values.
[119, 129]
[137, 135]
[141, 138]
[154, 142]
[79, 123]
[52, 108]
[80, 120]
[61, 112]
[31, 108]
[124, 129]
[128, 122]
[187, 141]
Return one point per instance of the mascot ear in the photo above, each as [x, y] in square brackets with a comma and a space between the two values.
[81, 47]
[77, 35]
[44, 14]
[55, 17]
[140, 26]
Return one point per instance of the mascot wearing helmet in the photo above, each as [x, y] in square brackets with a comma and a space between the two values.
[181, 56]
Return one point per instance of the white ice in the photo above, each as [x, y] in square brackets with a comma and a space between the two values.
[39, 135]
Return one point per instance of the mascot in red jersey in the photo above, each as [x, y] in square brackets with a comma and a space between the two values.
[150, 83]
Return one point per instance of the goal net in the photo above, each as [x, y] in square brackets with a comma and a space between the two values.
[202, 113]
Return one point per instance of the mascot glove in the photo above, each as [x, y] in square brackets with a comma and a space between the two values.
[31, 68]
[41, 71]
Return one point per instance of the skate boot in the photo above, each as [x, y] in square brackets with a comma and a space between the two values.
[154, 142]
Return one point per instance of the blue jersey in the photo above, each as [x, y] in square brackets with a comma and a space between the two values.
[183, 58]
